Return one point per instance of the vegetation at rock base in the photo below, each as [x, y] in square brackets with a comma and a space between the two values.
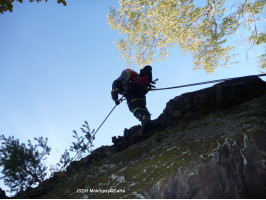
[204, 29]
[7, 5]
[23, 165]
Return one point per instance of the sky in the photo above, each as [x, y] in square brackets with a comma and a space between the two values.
[57, 65]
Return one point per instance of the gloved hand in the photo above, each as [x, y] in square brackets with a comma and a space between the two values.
[154, 82]
[117, 102]
[151, 86]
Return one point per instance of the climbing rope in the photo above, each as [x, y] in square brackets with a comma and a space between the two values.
[120, 100]
[78, 155]
[206, 82]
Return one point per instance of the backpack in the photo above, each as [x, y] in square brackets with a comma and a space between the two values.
[147, 73]
[129, 76]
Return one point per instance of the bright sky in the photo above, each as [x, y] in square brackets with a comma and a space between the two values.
[57, 65]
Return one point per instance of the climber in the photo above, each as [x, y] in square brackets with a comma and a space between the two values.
[134, 87]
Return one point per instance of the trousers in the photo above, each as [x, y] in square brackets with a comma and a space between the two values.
[137, 105]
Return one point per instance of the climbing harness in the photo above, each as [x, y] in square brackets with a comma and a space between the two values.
[78, 155]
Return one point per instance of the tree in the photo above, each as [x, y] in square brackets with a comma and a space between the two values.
[202, 28]
[23, 164]
[82, 145]
[7, 5]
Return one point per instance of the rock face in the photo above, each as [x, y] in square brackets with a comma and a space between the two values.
[235, 170]
[206, 144]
